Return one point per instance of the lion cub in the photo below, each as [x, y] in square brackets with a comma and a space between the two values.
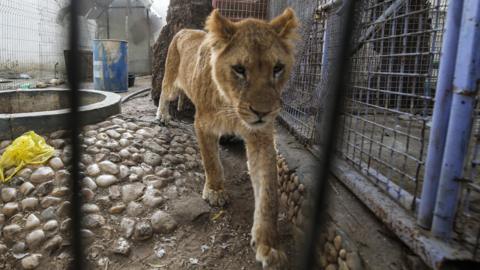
[234, 75]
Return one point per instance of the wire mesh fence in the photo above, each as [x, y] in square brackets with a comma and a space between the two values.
[388, 104]
[240, 9]
[300, 98]
[388, 107]
[31, 43]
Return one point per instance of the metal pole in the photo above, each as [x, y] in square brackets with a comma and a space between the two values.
[465, 86]
[127, 11]
[441, 113]
[108, 22]
[325, 47]
[75, 129]
[149, 41]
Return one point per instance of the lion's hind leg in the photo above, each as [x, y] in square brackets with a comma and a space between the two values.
[168, 94]
[169, 89]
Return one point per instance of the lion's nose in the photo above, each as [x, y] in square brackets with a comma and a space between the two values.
[258, 113]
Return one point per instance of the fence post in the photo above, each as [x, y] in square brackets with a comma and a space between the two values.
[441, 113]
[325, 48]
[465, 84]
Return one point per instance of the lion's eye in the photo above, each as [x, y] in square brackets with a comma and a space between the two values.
[239, 70]
[277, 69]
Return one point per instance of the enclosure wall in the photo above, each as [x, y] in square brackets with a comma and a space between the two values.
[33, 39]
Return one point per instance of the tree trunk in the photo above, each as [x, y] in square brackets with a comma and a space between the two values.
[181, 14]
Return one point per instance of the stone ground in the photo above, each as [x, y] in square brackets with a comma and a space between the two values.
[142, 205]
[143, 209]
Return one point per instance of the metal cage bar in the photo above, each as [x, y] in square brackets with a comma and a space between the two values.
[441, 114]
[465, 87]
[75, 128]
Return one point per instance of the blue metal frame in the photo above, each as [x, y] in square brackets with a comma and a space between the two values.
[441, 113]
[465, 84]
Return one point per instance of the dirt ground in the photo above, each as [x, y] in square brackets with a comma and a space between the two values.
[225, 240]
[218, 240]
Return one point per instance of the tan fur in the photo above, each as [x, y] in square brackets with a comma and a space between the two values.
[204, 66]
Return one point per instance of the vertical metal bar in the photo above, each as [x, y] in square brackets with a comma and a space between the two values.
[332, 114]
[325, 49]
[149, 37]
[441, 113]
[127, 11]
[108, 21]
[74, 123]
[465, 84]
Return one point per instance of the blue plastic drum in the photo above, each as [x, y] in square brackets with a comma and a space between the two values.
[110, 65]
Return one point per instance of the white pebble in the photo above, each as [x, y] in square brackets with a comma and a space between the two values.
[42, 174]
[106, 180]
[35, 238]
[108, 167]
[31, 261]
[8, 194]
[32, 222]
[93, 170]
[56, 163]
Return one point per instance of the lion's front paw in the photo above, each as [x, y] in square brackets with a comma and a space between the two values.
[163, 118]
[271, 258]
[215, 197]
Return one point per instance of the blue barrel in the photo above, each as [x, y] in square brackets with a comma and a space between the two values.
[110, 65]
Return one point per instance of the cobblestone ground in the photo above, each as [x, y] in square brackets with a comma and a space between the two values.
[142, 206]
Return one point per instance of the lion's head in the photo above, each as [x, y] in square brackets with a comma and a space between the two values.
[251, 61]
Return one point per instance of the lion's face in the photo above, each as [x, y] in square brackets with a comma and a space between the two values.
[251, 61]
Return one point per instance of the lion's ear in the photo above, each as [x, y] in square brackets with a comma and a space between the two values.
[286, 24]
[220, 26]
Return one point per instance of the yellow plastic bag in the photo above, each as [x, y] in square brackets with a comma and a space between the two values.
[29, 148]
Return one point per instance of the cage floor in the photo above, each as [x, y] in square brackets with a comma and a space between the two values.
[205, 237]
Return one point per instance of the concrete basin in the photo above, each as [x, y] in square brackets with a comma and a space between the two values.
[47, 110]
